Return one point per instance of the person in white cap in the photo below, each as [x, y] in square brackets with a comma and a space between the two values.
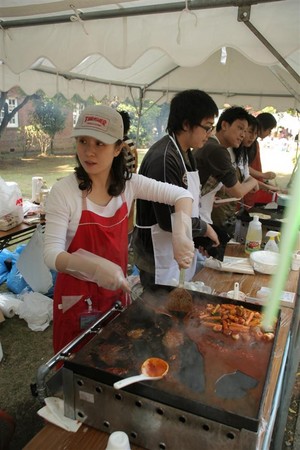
[87, 224]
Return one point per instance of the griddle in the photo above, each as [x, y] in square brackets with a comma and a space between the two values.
[276, 215]
[210, 375]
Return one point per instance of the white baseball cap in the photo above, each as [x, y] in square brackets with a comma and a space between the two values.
[100, 122]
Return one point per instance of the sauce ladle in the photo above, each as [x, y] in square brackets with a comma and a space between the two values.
[152, 369]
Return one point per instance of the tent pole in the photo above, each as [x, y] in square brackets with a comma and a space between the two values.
[286, 84]
[244, 16]
[125, 12]
[139, 114]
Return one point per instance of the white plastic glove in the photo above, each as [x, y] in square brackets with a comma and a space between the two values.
[90, 267]
[183, 245]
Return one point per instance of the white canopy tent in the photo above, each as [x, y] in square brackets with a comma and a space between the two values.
[241, 52]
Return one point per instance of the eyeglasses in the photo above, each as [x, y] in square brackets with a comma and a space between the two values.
[207, 129]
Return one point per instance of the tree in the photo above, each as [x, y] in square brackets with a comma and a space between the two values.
[150, 121]
[34, 134]
[49, 117]
[8, 115]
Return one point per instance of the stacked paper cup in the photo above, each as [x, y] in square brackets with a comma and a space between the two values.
[118, 441]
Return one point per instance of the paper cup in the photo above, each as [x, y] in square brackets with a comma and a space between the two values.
[296, 261]
[118, 441]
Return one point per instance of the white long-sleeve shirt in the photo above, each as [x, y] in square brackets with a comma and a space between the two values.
[64, 207]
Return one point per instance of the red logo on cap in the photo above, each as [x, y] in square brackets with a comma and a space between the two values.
[96, 120]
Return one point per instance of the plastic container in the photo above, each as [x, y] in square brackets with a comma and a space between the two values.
[265, 261]
[272, 245]
[253, 236]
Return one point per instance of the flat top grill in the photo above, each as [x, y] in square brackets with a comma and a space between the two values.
[210, 374]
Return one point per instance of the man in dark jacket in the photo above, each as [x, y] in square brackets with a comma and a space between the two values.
[190, 122]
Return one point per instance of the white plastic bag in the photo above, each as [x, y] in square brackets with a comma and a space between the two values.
[31, 264]
[37, 310]
[11, 205]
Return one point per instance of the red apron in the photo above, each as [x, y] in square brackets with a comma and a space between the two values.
[106, 237]
[260, 196]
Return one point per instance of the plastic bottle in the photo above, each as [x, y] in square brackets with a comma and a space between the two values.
[36, 183]
[271, 245]
[253, 236]
[43, 198]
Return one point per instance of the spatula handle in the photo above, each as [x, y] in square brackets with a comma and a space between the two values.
[136, 378]
[181, 277]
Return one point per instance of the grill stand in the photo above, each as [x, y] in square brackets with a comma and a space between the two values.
[149, 424]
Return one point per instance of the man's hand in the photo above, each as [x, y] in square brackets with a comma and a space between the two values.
[211, 234]
[269, 175]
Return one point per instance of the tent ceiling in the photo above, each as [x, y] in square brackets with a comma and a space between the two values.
[107, 56]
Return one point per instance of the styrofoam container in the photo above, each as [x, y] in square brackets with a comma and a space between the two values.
[264, 261]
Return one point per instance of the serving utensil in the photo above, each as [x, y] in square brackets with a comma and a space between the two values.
[152, 369]
[236, 291]
[273, 204]
[180, 299]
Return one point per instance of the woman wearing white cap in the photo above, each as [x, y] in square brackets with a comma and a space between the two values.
[87, 224]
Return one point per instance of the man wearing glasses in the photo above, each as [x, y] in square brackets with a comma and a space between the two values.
[216, 161]
[191, 118]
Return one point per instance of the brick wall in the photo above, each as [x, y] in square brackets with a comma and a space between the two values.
[11, 140]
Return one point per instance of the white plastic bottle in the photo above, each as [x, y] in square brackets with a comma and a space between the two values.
[43, 198]
[253, 236]
[272, 245]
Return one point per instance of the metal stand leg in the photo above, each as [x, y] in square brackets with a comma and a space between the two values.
[291, 368]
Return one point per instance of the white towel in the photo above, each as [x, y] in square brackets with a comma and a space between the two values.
[54, 413]
[230, 264]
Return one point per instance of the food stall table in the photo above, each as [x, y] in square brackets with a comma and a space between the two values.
[86, 438]
[16, 235]
[249, 284]
[281, 377]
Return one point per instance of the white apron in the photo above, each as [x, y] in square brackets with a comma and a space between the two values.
[207, 203]
[166, 268]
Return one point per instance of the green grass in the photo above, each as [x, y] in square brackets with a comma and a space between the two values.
[51, 168]
[21, 170]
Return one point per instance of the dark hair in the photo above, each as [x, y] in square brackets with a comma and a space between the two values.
[119, 175]
[232, 114]
[265, 121]
[190, 107]
[245, 154]
[251, 152]
[126, 120]
[252, 122]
